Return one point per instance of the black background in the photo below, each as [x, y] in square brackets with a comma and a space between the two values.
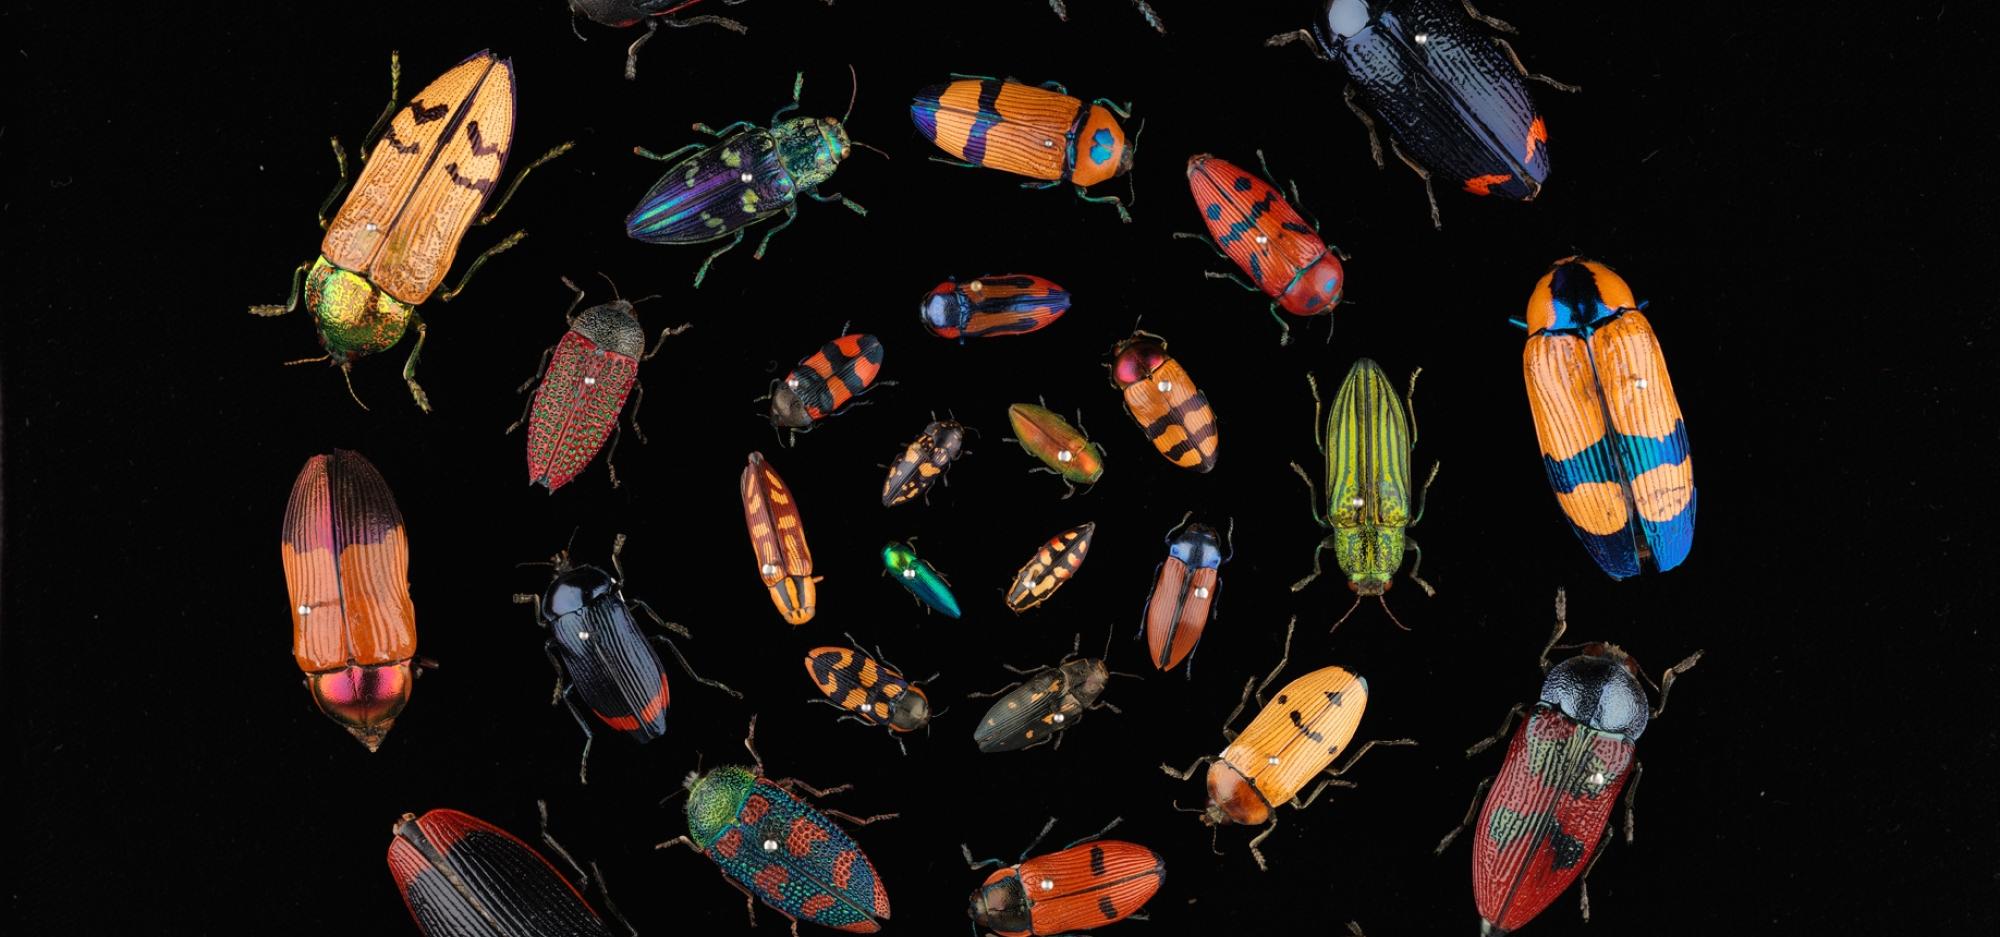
[1798, 197]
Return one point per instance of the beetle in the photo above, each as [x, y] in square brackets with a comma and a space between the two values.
[1145, 9]
[623, 14]
[870, 690]
[825, 382]
[1187, 585]
[1250, 223]
[395, 236]
[1036, 708]
[901, 562]
[1612, 438]
[1290, 742]
[1551, 803]
[1164, 401]
[1082, 886]
[584, 380]
[1064, 450]
[1037, 131]
[778, 538]
[347, 568]
[603, 661]
[924, 461]
[1367, 443]
[777, 848]
[1452, 96]
[1055, 563]
[462, 877]
[992, 306]
[748, 175]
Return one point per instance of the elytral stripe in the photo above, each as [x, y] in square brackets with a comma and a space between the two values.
[1368, 451]
[975, 139]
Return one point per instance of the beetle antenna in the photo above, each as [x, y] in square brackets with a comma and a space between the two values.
[1343, 618]
[607, 279]
[684, 788]
[869, 147]
[1385, 610]
[854, 92]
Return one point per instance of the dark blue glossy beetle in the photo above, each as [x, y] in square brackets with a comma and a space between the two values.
[602, 660]
[1453, 97]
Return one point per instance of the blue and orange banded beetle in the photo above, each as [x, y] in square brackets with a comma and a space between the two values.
[1612, 437]
[1453, 97]
[603, 661]
[458, 874]
[1544, 824]
[992, 306]
[1084, 885]
[750, 174]
[1037, 131]
[778, 849]
[825, 381]
[1250, 223]
[623, 14]
[869, 690]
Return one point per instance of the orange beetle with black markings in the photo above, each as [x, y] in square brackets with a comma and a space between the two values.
[778, 537]
[870, 690]
[1087, 884]
[1054, 564]
[1163, 400]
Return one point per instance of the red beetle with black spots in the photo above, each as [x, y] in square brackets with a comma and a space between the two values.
[1087, 884]
[1251, 224]
[825, 382]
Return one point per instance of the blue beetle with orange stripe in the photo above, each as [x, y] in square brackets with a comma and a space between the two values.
[1612, 437]
[826, 381]
[1037, 131]
[778, 849]
[603, 662]
[1250, 223]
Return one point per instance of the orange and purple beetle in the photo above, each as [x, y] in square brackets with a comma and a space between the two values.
[347, 566]
[1084, 885]
[398, 231]
[778, 537]
[1288, 744]
[1037, 131]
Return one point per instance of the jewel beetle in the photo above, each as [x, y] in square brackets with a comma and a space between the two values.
[869, 690]
[826, 381]
[1145, 9]
[1543, 825]
[924, 461]
[1084, 885]
[347, 569]
[901, 562]
[1251, 224]
[1367, 442]
[779, 849]
[623, 14]
[1291, 741]
[1187, 585]
[1453, 97]
[464, 877]
[778, 538]
[1064, 450]
[603, 661]
[1613, 441]
[584, 380]
[748, 175]
[1037, 131]
[1164, 402]
[1055, 563]
[395, 236]
[1039, 706]
[992, 306]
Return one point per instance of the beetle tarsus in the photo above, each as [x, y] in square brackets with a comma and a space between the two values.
[791, 215]
[480, 261]
[1437, 221]
[702, 272]
[1471, 810]
[340, 160]
[508, 193]
[410, 368]
[1492, 22]
[1498, 734]
[291, 302]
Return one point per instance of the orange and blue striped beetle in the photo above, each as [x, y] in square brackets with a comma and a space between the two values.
[1164, 402]
[778, 538]
[1084, 885]
[924, 462]
[1289, 743]
[396, 234]
[989, 307]
[1037, 131]
[826, 381]
[1250, 223]
[869, 689]
[1055, 563]
[1612, 438]
[1187, 587]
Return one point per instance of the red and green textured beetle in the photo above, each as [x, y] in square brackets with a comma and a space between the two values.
[585, 379]
[826, 381]
[1054, 564]
[1250, 223]
[1163, 401]
[458, 874]
[1037, 131]
[1087, 884]
[780, 850]
[1545, 820]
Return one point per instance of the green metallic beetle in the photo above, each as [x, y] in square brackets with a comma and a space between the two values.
[900, 561]
[1066, 450]
[1367, 441]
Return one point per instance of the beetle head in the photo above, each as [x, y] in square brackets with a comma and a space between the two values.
[1002, 905]
[910, 712]
[365, 700]
[787, 410]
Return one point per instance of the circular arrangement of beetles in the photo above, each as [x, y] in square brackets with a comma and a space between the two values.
[1453, 100]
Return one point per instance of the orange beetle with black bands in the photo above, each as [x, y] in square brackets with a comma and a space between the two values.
[1087, 884]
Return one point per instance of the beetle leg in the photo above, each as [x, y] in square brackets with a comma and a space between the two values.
[972, 863]
[508, 193]
[1493, 22]
[1631, 796]
[1188, 772]
[1324, 783]
[1437, 222]
[711, 131]
[542, 807]
[1190, 235]
[1562, 625]
[1000, 692]
[1363, 750]
[664, 157]
[1257, 854]
[1062, 11]
[1322, 548]
[798, 88]
[1283, 659]
[1124, 111]
[1299, 35]
[1667, 680]
[562, 676]
[410, 366]
[1017, 671]
[789, 783]
[1284, 328]
[1100, 704]
[480, 261]
[678, 841]
[1152, 16]
[1583, 881]
[638, 397]
[857, 821]
[1498, 734]
[962, 164]
[1319, 429]
[291, 302]
[1515, 58]
[523, 598]
[665, 334]
[389, 109]
[750, 744]
[640, 604]
[540, 369]
[698, 678]
[583, 762]
[1071, 489]
[1235, 278]
[1108, 827]
[340, 161]
[791, 215]
[1113, 200]
[604, 892]
[1418, 563]
[632, 51]
[724, 249]
[1471, 810]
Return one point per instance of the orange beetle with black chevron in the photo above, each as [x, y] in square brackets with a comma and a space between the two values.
[778, 537]
[1087, 884]
[1163, 400]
